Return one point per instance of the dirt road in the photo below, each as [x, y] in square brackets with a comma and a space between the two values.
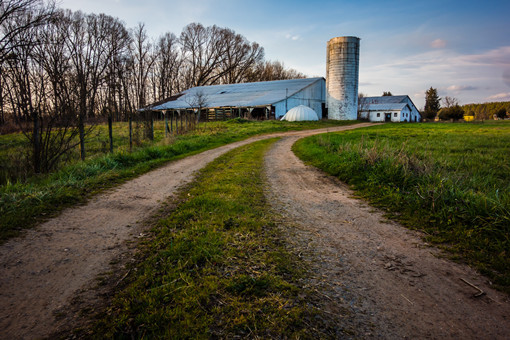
[380, 276]
[41, 272]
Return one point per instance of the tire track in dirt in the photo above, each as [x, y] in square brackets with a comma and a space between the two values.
[379, 277]
[42, 271]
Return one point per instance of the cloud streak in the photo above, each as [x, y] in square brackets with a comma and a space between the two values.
[438, 43]
[459, 88]
[500, 97]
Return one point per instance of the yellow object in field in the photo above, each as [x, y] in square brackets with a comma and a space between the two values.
[469, 118]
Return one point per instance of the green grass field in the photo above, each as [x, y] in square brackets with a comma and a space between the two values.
[14, 148]
[216, 266]
[451, 181]
[25, 203]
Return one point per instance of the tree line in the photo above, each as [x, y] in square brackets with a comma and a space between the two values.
[61, 70]
[450, 108]
[487, 110]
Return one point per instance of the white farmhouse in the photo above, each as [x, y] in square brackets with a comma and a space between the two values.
[388, 109]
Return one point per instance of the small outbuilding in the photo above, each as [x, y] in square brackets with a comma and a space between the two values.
[300, 113]
[388, 109]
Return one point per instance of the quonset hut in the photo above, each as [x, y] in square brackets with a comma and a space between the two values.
[261, 100]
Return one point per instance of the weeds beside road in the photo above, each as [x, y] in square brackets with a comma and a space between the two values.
[451, 181]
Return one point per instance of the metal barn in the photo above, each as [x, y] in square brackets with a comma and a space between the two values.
[262, 100]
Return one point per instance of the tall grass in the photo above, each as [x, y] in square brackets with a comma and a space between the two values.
[216, 266]
[451, 181]
[24, 203]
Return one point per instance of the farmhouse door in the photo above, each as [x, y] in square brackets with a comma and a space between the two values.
[387, 118]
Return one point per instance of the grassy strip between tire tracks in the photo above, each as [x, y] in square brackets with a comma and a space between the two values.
[451, 181]
[216, 266]
[23, 204]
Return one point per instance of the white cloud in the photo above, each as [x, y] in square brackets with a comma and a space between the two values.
[292, 37]
[438, 43]
[500, 97]
[458, 88]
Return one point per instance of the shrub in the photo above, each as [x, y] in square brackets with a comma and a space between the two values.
[454, 112]
[501, 113]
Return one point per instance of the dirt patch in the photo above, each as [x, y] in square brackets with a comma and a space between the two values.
[46, 273]
[379, 277]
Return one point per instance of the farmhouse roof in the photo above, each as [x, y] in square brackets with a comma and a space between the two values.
[238, 95]
[385, 99]
[387, 103]
[385, 107]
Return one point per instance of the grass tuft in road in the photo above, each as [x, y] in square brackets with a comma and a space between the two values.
[216, 266]
[451, 181]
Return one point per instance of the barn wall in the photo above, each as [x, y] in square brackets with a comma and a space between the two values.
[414, 111]
[405, 114]
[312, 96]
[382, 114]
[373, 116]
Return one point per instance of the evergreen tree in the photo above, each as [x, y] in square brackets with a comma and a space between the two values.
[388, 93]
[432, 105]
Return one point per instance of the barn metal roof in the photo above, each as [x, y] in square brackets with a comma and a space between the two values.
[239, 95]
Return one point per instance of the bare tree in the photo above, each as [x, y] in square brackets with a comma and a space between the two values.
[239, 57]
[449, 102]
[144, 59]
[118, 41]
[203, 52]
[166, 67]
[362, 104]
[88, 43]
[197, 102]
[18, 17]
[271, 70]
[39, 92]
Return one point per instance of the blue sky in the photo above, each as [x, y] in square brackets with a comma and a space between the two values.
[462, 48]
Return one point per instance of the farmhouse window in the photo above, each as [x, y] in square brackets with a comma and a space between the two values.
[378, 114]
[395, 114]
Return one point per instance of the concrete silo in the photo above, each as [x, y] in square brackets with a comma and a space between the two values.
[342, 73]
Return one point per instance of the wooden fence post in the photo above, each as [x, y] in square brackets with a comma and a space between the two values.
[151, 137]
[110, 131]
[81, 127]
[166, 124]
[130, 132]
[180, 114]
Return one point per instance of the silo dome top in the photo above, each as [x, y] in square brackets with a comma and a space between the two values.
[344, 39]
[300, 113]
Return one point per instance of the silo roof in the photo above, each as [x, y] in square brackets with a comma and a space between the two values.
[238, 95]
